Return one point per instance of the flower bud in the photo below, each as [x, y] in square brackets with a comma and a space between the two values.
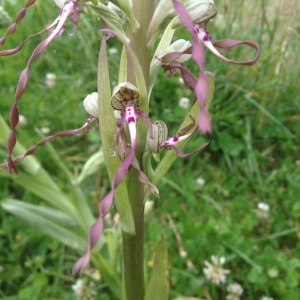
[160, 132]
[123, 95]
[60, 3]
[178, 46]
[199, 10]
[116, 9]
[50, 80]
[90, 104]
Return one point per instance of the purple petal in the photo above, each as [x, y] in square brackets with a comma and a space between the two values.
[201, 89]
[144, 179]
[204, 121]
[11, 141]
[12, 28]
[184, 155]
[228, 44]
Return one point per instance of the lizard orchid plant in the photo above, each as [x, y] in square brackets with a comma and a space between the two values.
[131, 139]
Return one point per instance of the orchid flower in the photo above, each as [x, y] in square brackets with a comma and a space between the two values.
[125, 98]
[195, 15]
[161, 140]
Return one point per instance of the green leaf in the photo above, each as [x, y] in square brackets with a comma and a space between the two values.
[48, 220]
[54, 196]
[158, 286]
[163, 45]
[92, 165]
[110, 18]
[110, 276]
[162, 10]
[30, 163]
[125, 6]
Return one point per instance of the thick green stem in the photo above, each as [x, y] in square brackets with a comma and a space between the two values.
[133, 245]
[133, 251]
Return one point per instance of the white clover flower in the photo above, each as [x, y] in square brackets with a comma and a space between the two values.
[200, 181]
[234, 290]
[44, 130]
[184, 102]
[50, 80]
[83, 290]
[214, 271]
[112, 51]
[262, 210]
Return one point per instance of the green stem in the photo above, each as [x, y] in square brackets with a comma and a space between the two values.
[133, 251]
[133, 245]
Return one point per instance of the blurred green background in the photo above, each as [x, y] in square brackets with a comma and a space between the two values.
[208, 204]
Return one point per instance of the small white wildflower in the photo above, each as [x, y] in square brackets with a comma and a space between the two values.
[180, 81]
[50, 80]
[182, 253]
[200, 181]
[112, 51]
[266, 298]
[184, 102]
[235, 290]
[262, 210]
[22, 121]
[214, 270]
[273, 272]
[83, 290]
[44, 130]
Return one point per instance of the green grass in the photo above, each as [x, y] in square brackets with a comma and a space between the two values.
[252, 157]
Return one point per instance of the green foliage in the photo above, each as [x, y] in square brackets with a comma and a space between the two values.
[252, 158]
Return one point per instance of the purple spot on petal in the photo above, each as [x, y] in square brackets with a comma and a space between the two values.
[131, 120]
[175, 139]
[205, 38]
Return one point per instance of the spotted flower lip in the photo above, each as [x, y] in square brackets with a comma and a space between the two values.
[200, 11]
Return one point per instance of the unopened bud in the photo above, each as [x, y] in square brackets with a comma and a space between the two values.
[199, 10]
[90, 104]
[180, 46]
[160, 131]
